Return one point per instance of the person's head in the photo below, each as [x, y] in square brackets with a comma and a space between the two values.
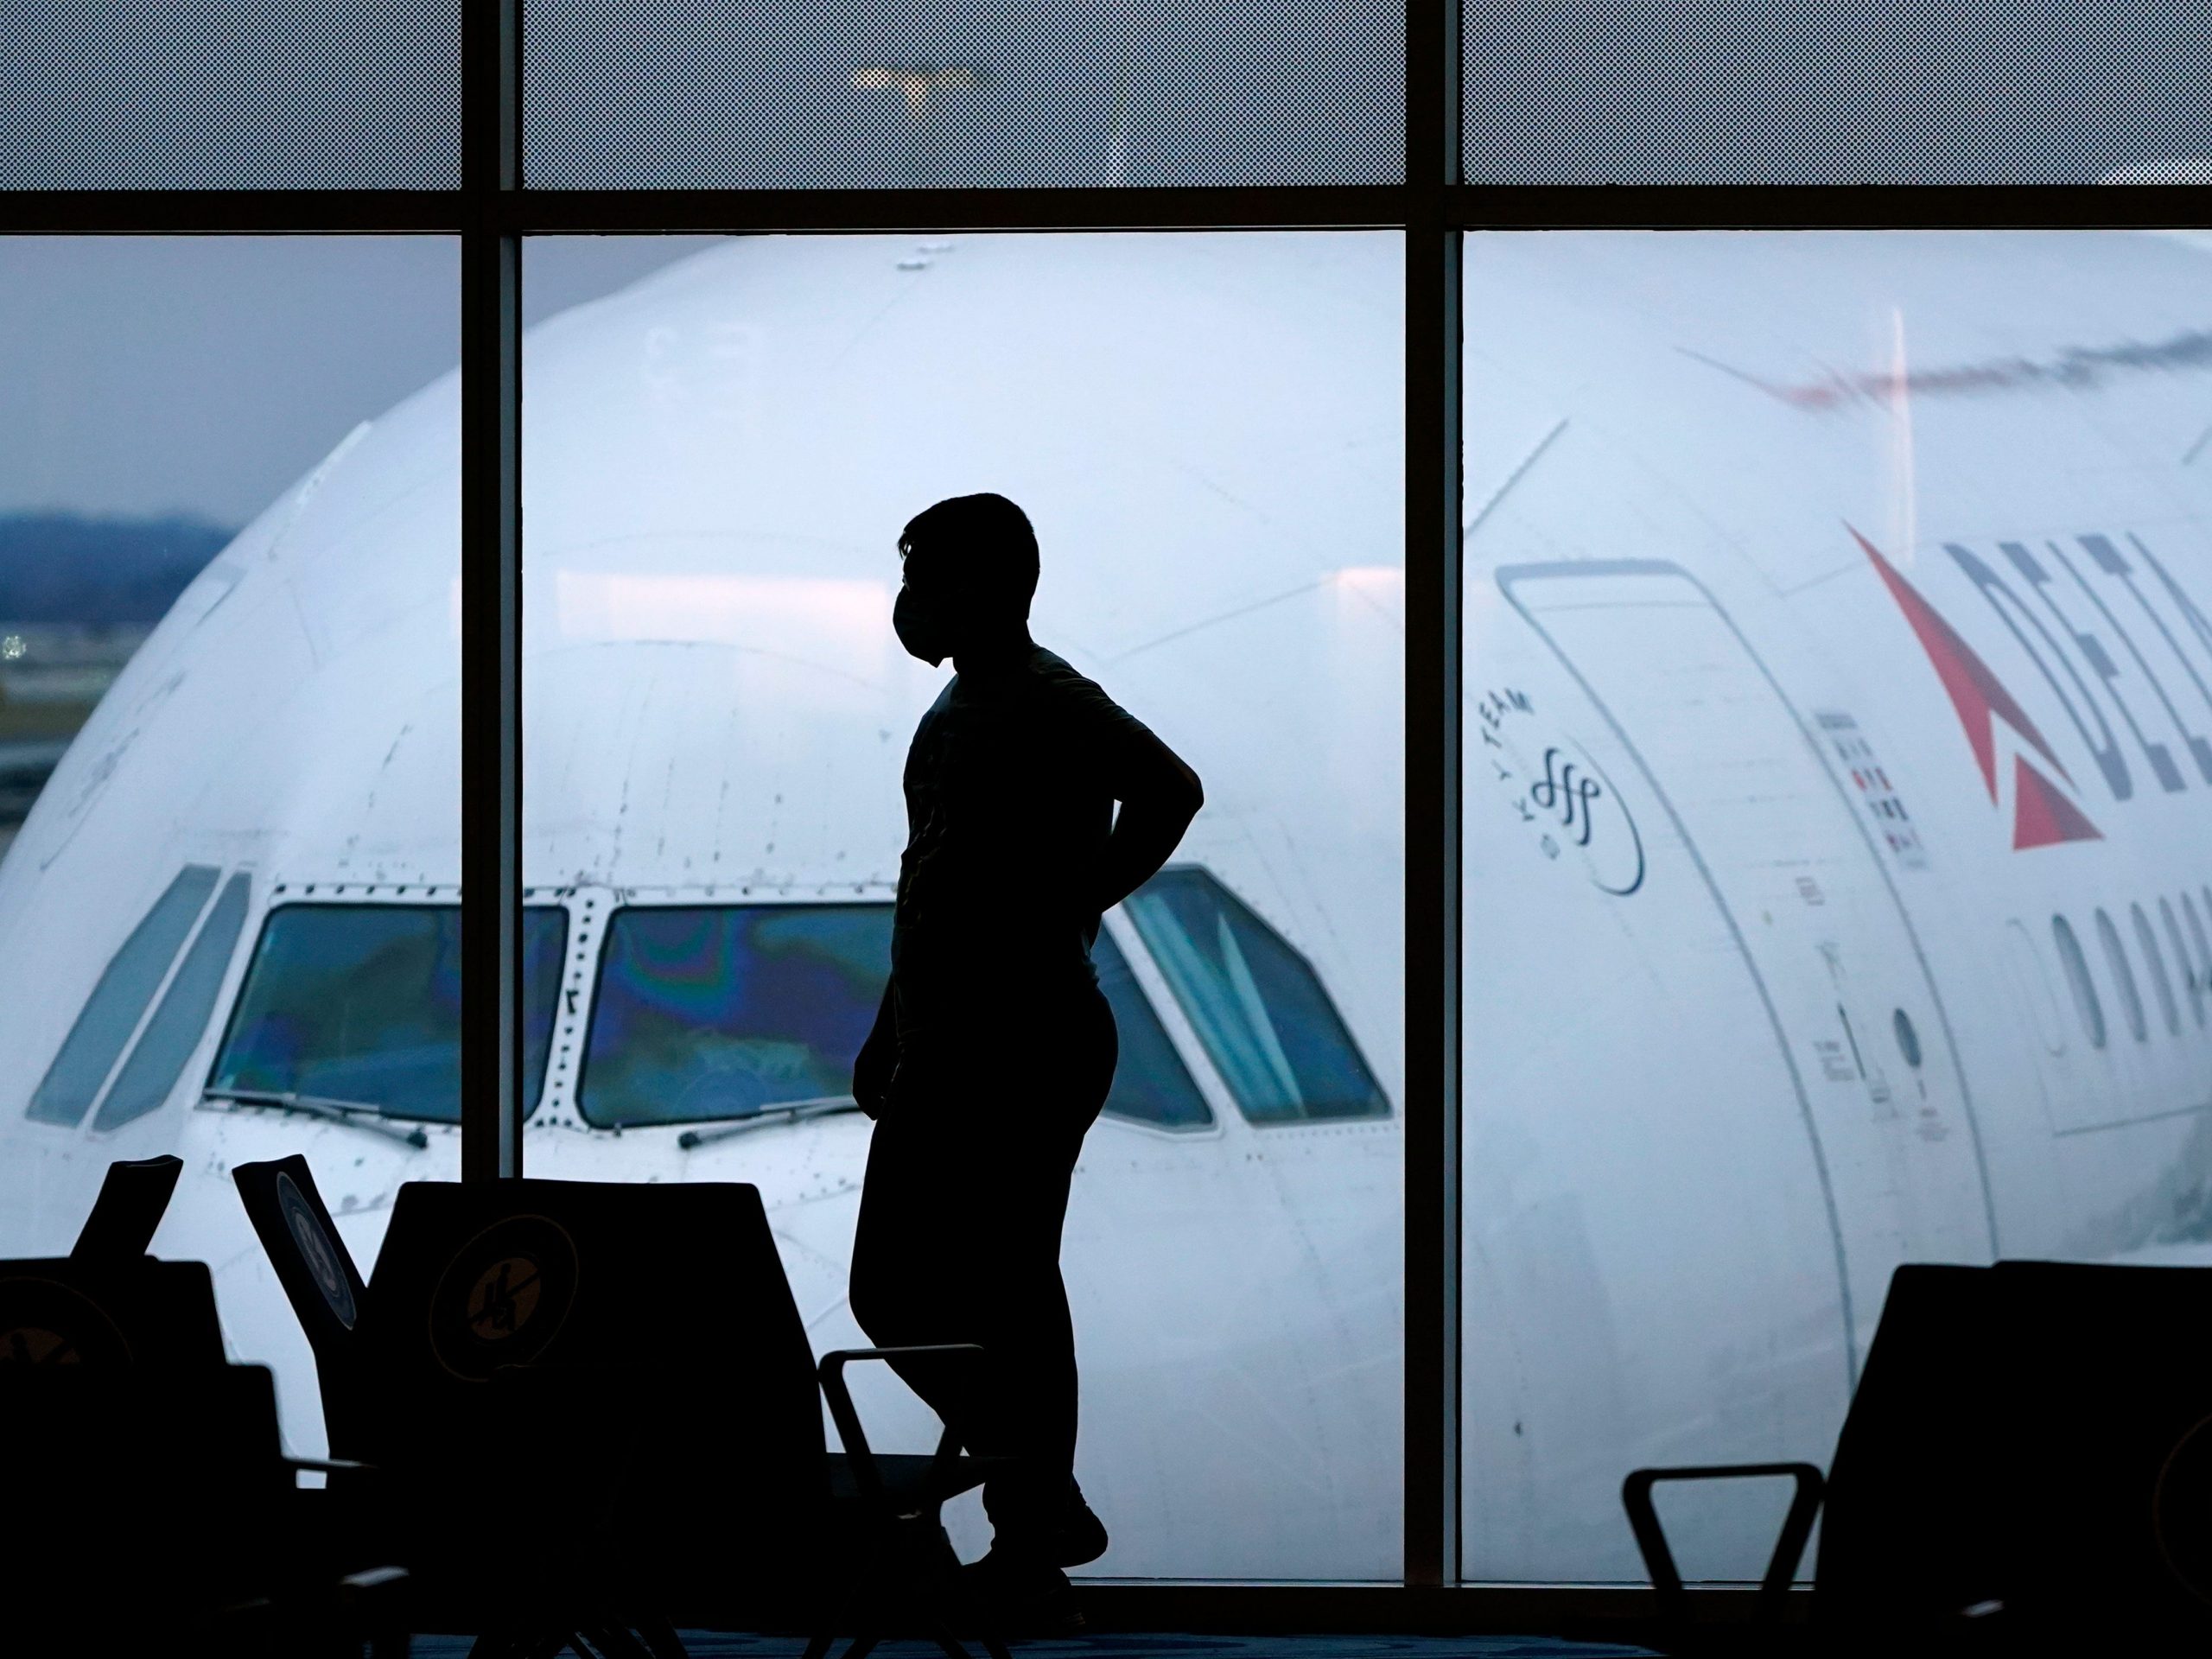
[971, 571]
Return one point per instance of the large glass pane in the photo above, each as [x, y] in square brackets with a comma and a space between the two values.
[228, 695]
[1836, 92]
[1839, 689]
[1205, 431]
[212, 94]
[684, 93]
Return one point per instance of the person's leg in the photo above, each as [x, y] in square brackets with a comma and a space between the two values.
[913, 1260]
[1063, 1083]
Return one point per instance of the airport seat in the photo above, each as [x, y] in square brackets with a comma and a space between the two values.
[628, 1359]
[133, 1197]
[2027, 1458]
[166, 1519]
[325, 1289]
[165, 1505]
[70, 1311]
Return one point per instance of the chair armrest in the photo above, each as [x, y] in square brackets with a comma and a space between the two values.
[866, 1475]
[329, 1466]
[1659, 1560]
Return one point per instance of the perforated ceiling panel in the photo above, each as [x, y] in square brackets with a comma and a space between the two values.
[252, 94]
[966, 92]
[1836, 92]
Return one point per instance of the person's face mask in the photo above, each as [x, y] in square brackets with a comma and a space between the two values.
[919, 627]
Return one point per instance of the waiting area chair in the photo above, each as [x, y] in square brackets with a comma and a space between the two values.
[165, 1511]
[624, 1361]
[133, 1197]
[2027, 1466]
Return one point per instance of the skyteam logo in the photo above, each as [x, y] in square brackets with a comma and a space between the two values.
[2043, 815]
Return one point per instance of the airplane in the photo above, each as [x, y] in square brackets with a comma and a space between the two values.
[1836, 653]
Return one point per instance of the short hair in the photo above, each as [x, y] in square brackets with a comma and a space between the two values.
[981, 547]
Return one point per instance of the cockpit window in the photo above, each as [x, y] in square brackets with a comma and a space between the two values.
[1258, 1006]
[723, 1011]
[181, 1020]
[1151, 1084]
[360, 1004]
[111, 1012]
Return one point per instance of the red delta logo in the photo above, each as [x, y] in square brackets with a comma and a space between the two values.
[2041, 815]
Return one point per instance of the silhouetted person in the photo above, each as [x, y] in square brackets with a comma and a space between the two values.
[993, 1048]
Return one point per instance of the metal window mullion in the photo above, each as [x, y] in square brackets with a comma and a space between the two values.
[1431, 805]
[490, 610]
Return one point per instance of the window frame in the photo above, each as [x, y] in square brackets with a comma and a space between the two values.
[492, 211]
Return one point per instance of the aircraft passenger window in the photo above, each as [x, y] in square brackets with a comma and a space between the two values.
[1258, 1006]
[2077, 977]
[181, 1020]
[2201, 984]
[361, 1004]
[725, 1010]
[2167, 1008]
[2130, 1000]
[111, 1014]
[1151, 1084]
[2189, 982]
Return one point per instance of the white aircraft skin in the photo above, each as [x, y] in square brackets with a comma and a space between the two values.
[1696, 1145]
[1207, 432]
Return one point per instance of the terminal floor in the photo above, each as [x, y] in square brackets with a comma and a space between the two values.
[1125, 1645]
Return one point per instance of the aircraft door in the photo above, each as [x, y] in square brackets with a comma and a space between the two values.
[1789, 861]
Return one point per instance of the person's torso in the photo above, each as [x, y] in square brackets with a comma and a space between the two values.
[1007, 818]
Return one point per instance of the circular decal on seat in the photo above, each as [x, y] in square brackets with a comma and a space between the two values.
[44, 1322]
[504, 1296]
[2181, 1511]
[317, 1250]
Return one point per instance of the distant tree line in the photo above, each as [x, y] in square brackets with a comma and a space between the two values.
[99, 572]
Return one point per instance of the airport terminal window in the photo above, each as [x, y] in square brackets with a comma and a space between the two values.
[126, 987]
[2130, 1000]
[181, 1020]
[361, 1004]
[1257, 1005]
[2077, 977]
[1151, 1084]
[725, 1010]
[2159, 983]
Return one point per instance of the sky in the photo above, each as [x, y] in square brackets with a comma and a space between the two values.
[144, 376]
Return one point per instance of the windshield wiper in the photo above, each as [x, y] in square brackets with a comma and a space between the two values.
[788, 1111]
[356, 1113]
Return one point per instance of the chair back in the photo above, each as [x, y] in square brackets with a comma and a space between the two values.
[1908, 1536]
[647, 1330]
[2112, 1437]
[324, 1288]
[131, 1201]
[2035, 1435]
[64, 1311]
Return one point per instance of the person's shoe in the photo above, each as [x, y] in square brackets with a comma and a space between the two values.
[1019, 1595]
[1080, 1538]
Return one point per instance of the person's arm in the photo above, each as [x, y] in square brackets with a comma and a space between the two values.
[877, 1058]
[1160, 796]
